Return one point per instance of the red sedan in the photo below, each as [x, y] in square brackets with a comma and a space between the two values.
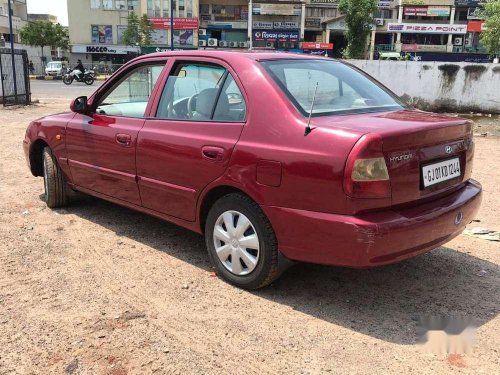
[272, 156]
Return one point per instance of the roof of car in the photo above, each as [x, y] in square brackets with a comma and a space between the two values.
[236, 54]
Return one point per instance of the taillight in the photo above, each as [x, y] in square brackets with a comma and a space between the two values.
[366, 174]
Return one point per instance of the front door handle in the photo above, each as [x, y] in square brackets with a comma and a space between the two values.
[213, 153]
[123, 139]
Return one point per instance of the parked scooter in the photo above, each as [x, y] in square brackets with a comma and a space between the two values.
[87, 77]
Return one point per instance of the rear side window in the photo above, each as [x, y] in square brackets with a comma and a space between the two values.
[130, 96]
[201, 92]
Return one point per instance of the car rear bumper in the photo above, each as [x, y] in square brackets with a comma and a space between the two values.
[377, 238]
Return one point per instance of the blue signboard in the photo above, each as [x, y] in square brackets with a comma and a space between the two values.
[274, 35]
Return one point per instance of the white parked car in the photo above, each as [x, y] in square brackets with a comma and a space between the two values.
[56, 68]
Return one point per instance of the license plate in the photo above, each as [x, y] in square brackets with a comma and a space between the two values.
[438, 172]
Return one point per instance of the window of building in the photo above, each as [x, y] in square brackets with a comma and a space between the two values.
[107, 4]
[166, 8]
[95, 4]
[121, 4]
[383, 13]
[133, 4]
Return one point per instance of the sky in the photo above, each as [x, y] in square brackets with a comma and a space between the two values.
[56, 7]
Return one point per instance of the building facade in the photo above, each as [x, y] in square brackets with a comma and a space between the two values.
[19, 19]
[428, 26]
[42, 17]
[96, 28]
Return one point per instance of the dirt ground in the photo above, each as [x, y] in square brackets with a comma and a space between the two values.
[100, 289]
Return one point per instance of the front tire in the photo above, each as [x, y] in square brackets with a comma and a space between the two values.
[56, 189]
[67, 79]
[241, 242]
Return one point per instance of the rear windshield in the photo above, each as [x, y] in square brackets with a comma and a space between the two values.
[340, 88]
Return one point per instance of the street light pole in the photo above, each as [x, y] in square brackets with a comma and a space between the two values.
[12, 49]
[171, 25]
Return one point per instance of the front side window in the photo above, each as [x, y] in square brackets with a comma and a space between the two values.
[339, 88]
[130, 96]
[201, 92]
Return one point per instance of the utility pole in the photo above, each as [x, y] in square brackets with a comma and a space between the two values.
[171, 25]
[12, 50]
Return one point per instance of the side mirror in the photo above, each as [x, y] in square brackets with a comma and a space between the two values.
[79, 105]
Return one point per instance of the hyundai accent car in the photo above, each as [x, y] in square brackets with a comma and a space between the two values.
[273, 157]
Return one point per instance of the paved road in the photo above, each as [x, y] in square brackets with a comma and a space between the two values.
[56, 90]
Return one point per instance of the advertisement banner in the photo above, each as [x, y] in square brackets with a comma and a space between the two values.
[469, 3]
[475, 26]
[159, 36]
[313, 23]
[314, 45]
[183, 37]
[179, 23]
[271, 36]
[102, 34]
[426, 28]
[384, 4]
[325, 1]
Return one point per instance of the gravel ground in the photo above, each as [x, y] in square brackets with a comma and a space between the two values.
[100, 289]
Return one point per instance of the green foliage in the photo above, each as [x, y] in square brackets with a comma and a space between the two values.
[138, 31]
[44, 33]
[131, 33]
[358, 18]
[490, 38]
[145, 30]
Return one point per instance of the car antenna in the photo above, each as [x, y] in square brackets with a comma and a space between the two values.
[308, 126]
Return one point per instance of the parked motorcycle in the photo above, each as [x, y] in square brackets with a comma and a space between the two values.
[87, 77]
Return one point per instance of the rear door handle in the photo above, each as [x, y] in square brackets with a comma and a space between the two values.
[123, 139]
[213, 153]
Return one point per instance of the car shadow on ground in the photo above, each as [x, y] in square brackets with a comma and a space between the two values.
[385, 303]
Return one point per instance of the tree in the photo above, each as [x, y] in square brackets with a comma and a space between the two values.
[131, 33]
[44, 33]
[359, 20]
[490, 38]
[145, 30]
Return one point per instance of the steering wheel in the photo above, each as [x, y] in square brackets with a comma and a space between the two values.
[191, 105]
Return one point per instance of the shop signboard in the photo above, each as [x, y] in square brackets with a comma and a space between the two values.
[285, 25]
[271, 36]
[263, 25]
[228, 25]
[423, 48]
[476, 14]
[384, 4]
[426, 28]
[313, 23]
[276, 9]
[325, 2]
[438, 11]
[469, 3]
[179, 23]
[427, 11]
[110, 49]
[102, 34]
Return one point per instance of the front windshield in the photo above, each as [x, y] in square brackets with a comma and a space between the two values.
[339, 88]
[54, 65]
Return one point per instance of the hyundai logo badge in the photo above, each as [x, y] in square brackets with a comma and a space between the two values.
[459, 218]
[448, 149]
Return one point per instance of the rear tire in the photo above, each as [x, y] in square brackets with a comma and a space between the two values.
[56, 189]
[255, 249]
[89, 80]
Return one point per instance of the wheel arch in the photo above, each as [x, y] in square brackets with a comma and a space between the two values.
[211, 195]
[36, 156]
